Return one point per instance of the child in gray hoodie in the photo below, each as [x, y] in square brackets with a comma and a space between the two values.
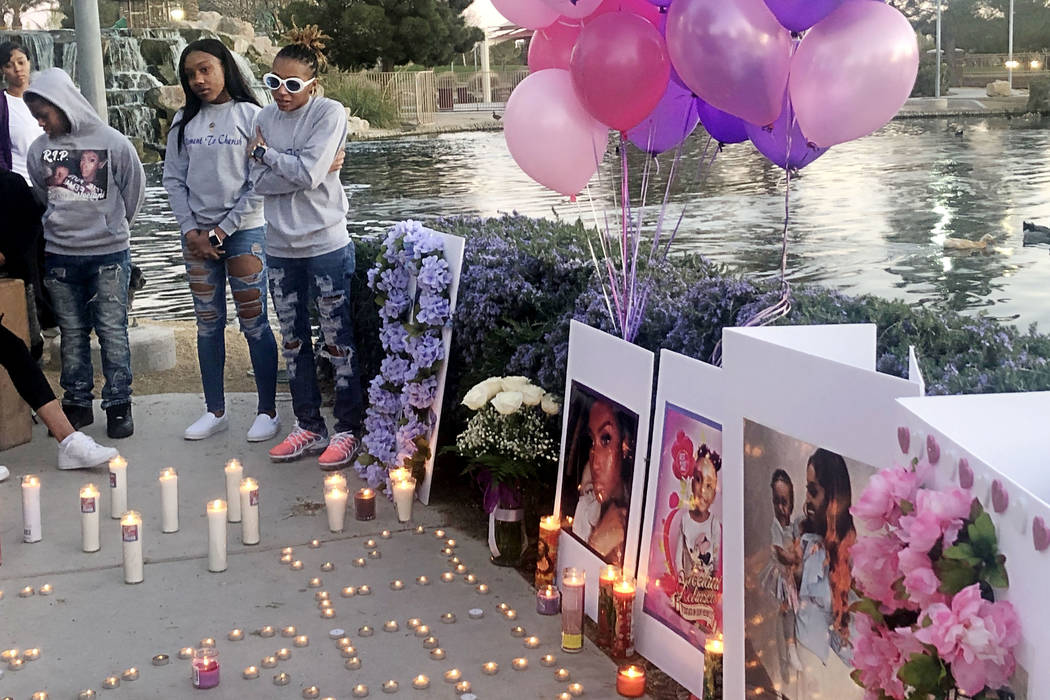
[94, 184]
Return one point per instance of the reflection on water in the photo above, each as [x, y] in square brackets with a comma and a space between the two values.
[868, 217]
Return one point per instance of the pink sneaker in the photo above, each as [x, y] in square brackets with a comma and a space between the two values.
[298, 443]
[341, 449]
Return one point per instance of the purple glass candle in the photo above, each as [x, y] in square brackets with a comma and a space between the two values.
[548, 600]
[205, 668]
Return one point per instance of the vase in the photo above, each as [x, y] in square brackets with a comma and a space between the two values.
[507, 536]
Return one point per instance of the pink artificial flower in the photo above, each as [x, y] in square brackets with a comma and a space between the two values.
[937, 514]
[920, 580]
[975, 637]
[879, 653]
[880, 503]
[874, 561]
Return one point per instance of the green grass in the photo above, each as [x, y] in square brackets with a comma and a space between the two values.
[363, 98]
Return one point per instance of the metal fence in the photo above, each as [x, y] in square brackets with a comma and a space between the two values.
[466, 91]
[413, 91]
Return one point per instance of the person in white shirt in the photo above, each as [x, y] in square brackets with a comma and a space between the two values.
[18, 128]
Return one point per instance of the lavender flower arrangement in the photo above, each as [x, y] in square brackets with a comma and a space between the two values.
[410, 279]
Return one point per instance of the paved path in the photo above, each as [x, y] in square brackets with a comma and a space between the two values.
[93, 625]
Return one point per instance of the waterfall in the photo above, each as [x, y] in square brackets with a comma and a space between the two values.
[40, 47]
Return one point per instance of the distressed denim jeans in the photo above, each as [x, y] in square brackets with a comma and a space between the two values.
[323, 281]
[91, 291]
[244, 265]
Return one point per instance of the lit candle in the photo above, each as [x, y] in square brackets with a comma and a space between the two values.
[437, 653]
[46, 589]
[531, 642]
[385, 534]
[623, 632]
[422, 630]
[517, 632]
[288, 631]
[391, 686]
[365, 631]
[440, 534]
[110, 682]
[31, 654]
[713, 649]
[448, 618]
[548, 601]
[216, 535]
[607, 577]
[335, 479]
[510, 614]
[375, 554]
[282, 679]
[234, 474]
[431, 642]
[8, 654]
[360, 690]
[186, 653]
[118, 487]
[249, 497]
[348, 592]
[483, 588]
[572, 583]
[364, 590]
[397, 584]
[328, 566]
[423, 580]
[360, 561]
[547, 553]
[169, 500]
[301, 640]
[404, 493]
[448, 577]
[235, 635]
[353, 663]
[315, 544]
[490, 668]
[630, 681]
[251, 672]
[463, 687]
[420, 682]
[89, 525]
[284, 653]
[267, 631]
[297, 565]
[269, 662]
[576, 689]
[311, 691]
[471, 579]
[206, 666]
[131, 674]
[31, 508]
[520, 664]
[335, 506]
[207, 643]
[391, 626]
[131, 535]
[548, 660]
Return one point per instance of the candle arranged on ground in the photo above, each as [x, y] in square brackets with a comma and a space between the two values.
[572, 592]
[404, 493]
[335, 479]
[607, 577]
[234, 474]
[205, 666]
[547, 551]
[249, 496]
[89, 525]
[118, 487]
[31, 528]
[713, 648]
[169, 500]
[548, 600]
[623, 630]
[131, 536]
[217, 510]
[630, 681]
[335, 505]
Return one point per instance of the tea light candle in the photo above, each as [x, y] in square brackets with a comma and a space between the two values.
[447, 551]
[205, 667]
[397, 584]
[321, 595]
[430, 642]
[328, 613]
[576, 689]
[283, 654]
[131, 534]
[483, 588]
[490, 668]
[39, 695]
[348, 592]
[288, 631]
[548, 601]
[623, 631]
[302, 641]
[420, 682]
[503, 606]
[118, 487]
[16, 664]
[391, 686]
[359, 562]
[249, 495]
[26, 592]
[572, 583]
[448, 577]
[169, 500]
[46, 589]
[423, 580]
[517, 631]
[365, 631]
[31, 529]
[335, 479]
[463, 687]
[360, 690]
[217, 510]
[437, 653]
[89, 525]
[385, 534]
[364, 590]
[87, 694]
[315, 582]
[31, 654]
[547, 551]
[440, 534]
[562, 675]
[315, 544]
[186, 653]
[511, 614]
[267, 631]
[375, 554]
[297, 565]
[321, 605]
[471, 579]
[328, 566]
[234, 474]
[413, 622]
[348, 652]
[548, 660]
[282, 679]
[630, 681]
[251, 672]
[207, 643]
[335, 505]
[422, 631]
[343, 642]
[365, 504]
[448, 618]
[131, 674]
[286, 558]
[404, 494]
[269, 662]
[453, 561]
[311, 691]
[352, 664]
[161, 660]
[461, 568]
[8, 654]
[391, 626]
[110, 682]
[370, 544]
[531, 642]
[286, 550]
[235, 635]
[607, 578]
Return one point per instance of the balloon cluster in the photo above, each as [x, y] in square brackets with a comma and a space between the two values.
[794, 77]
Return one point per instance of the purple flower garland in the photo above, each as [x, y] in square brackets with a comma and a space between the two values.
[400, 415]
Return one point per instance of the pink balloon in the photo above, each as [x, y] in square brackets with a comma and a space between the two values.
[551, 46]
[642, 8]
[549, 133]
[574, 9]
[852, 72]
[732, 53]
[620, 69]
[531, 14]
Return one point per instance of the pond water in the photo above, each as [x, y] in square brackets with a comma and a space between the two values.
[868, 217]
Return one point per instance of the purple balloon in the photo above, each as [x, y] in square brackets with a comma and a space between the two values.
[723, 126]
[772, 140]
[670, 123]
[800, 15]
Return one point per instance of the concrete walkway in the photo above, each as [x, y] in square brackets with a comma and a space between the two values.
[93, 625]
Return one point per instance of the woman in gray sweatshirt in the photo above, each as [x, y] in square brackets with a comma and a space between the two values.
[206, 170]
[298, 148]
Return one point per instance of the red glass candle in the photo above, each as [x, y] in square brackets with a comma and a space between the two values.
[547, 551]
[205, 668]
[630, 681]
[572, 597]
[623, 630]
[609, 575]
[365, 504]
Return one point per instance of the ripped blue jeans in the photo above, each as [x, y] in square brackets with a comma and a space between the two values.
[296, 284]
[244, 265]
[91, 291]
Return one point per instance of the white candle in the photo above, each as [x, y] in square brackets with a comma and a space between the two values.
[234, 474]
[217, 535]
[335, 479]
[131, 535]
[169, 500]
[249, 511]
[31, 508]
[404, 493]
[89, 526]
[335, 504]
[118, 487]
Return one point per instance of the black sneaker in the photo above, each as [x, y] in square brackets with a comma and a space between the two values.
[118, 421]
[78, 416]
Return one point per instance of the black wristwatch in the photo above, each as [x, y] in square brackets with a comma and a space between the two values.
[258, 152]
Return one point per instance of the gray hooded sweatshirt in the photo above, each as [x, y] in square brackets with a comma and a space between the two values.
[92, 176]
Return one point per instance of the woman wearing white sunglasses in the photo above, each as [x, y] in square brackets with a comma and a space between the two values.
[310, 254]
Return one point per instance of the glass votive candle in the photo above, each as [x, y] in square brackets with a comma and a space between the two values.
[548, 600]
[365, 504]
[205, 667]
[630, 681]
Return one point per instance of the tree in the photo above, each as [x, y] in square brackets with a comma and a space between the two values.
[388, 32]
[17, 8]
[981, 25]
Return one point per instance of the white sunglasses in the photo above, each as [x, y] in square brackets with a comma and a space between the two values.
[292, 85]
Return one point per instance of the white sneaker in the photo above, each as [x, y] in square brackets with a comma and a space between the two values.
[206, 426]
[4, 473]
[79, 451]
[264, 428]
